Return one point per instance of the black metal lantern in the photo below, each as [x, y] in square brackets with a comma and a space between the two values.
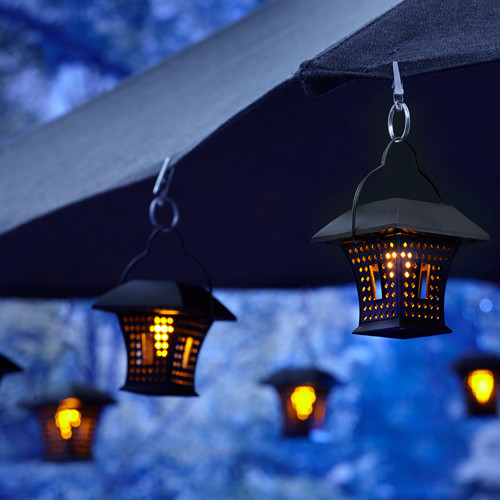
[400, 252]
[68, 416]
[303, 393]
[400, 256]
[163, 322]
[7, 366]
[479, 375]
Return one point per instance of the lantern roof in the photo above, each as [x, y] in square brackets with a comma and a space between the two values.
[297, 376]
[7, 366]
[399, 213]
[139, 295]
[53, 395]
[467, 364]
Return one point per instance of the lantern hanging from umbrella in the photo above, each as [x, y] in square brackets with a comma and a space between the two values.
[400, 252]
[7, 366]
[68, 416]
[479, 375]
[163, 322]
[303, 393]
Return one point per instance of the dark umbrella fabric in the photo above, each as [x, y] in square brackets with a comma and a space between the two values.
[254, 188]
[422, 35]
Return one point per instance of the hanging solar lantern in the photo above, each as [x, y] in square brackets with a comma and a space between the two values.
[303, 393]
[68, 416]
[400, 252]
[163, 323]
[479, 375]
[7, 366]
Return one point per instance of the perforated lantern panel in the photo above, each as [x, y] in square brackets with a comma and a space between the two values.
[162, 352]
[76, 444]
[401, 280]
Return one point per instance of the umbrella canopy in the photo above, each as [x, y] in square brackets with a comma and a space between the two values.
[260, 166]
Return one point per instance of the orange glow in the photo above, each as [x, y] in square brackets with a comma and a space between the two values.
[391, 274]
[394, 254]
[187, 351]
[303, 399]
[67, 416]
[387, 255]
[407, 274]
[408, 265]
[389, 265]
[482, 384]
[167, 312]
[161, 326]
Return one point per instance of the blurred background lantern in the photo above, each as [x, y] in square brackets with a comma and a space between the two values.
[68, 416]
[400, 251]
[303, 393]
[7, 366]
[479, 375]
[164, 324]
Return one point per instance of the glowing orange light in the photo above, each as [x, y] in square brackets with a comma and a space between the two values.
[303, 399]
[394, 254]
[391, 274]
[410, 255]
[482, 383]
[161, 327]
[389, 265]
[387, 255]
[407, 274]
[187, 351]
[408, 265]
[403, 254]
[67, 416]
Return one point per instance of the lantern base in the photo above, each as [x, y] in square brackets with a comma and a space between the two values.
[158, 390]
[400, 329]
[65, 458]
[482, 411]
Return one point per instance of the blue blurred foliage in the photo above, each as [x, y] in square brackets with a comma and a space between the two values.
[396, 429]
[58, 54]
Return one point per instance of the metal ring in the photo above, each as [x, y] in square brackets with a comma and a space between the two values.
[160, 202]
[402, 107]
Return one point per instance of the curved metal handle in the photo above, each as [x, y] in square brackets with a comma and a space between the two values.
[379, 166]
[156, 231]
